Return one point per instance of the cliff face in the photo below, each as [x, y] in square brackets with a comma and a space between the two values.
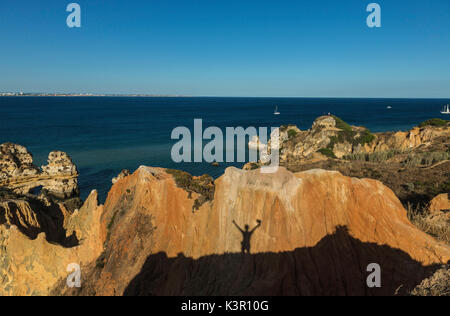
[319, 231]
[19, 174]
[414, 138]
[36, 248]
[42, 232]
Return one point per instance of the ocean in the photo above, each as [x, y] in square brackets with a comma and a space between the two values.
[104, 135]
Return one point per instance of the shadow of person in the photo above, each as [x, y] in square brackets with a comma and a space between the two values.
[246, 236]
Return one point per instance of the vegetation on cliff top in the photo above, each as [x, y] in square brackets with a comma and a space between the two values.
[347, 134]
[436, 122]
[204, 186]
[292, 133]
[327, 152]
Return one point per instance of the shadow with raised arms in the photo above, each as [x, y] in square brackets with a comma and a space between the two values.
[335, 266]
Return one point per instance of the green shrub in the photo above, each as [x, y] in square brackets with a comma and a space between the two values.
[434, 122]
[347, 134]
[327, 152]
[203, 185]
[292, 133]
[284, 128]
[366, 138]
[333, 141]
[341, 124]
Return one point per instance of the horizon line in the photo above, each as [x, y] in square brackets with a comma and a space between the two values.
[89, 94]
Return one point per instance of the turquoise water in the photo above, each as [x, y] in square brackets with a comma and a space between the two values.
[104, 135]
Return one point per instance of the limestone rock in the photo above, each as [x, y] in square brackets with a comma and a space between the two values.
[15, 160]
[124, 173]
[59, 163]
[251, 166]
[325, 133]
[440, 203]
[324, 122]
[19, 174]
[412, 139]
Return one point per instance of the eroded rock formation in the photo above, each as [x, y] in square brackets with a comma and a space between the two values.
[124, 173]
[18, 173]
[414, 138]
[334, 138]
[32, 258]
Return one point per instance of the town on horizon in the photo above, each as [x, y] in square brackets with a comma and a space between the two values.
[149, 95]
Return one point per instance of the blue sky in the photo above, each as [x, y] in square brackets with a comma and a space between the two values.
[227, 48]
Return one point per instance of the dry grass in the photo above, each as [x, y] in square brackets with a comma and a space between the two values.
[381, 156]
[436, 285]
[426, 159]
[436, 224]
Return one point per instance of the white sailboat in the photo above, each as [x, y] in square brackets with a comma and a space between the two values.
[446, 110]
[276, 111]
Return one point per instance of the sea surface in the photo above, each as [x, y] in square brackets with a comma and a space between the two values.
[104, 135]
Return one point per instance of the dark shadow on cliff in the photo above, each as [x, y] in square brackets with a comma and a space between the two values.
[49, 218]
[335, 266]
[247, 236]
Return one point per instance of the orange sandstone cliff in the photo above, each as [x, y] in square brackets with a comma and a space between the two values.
[319, 232]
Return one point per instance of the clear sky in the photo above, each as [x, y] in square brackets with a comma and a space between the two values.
[227, 48]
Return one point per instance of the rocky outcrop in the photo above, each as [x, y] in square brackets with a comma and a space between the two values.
[328, 135]
[332, 137]
[32, 264]
[38, 232]
[15, 161]
[124, 173]
[403, 141]
[319, 231]
[440, 203]
[58, 179]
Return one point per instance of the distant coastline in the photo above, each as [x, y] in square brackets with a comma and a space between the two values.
[143, 95]
[30, 94]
